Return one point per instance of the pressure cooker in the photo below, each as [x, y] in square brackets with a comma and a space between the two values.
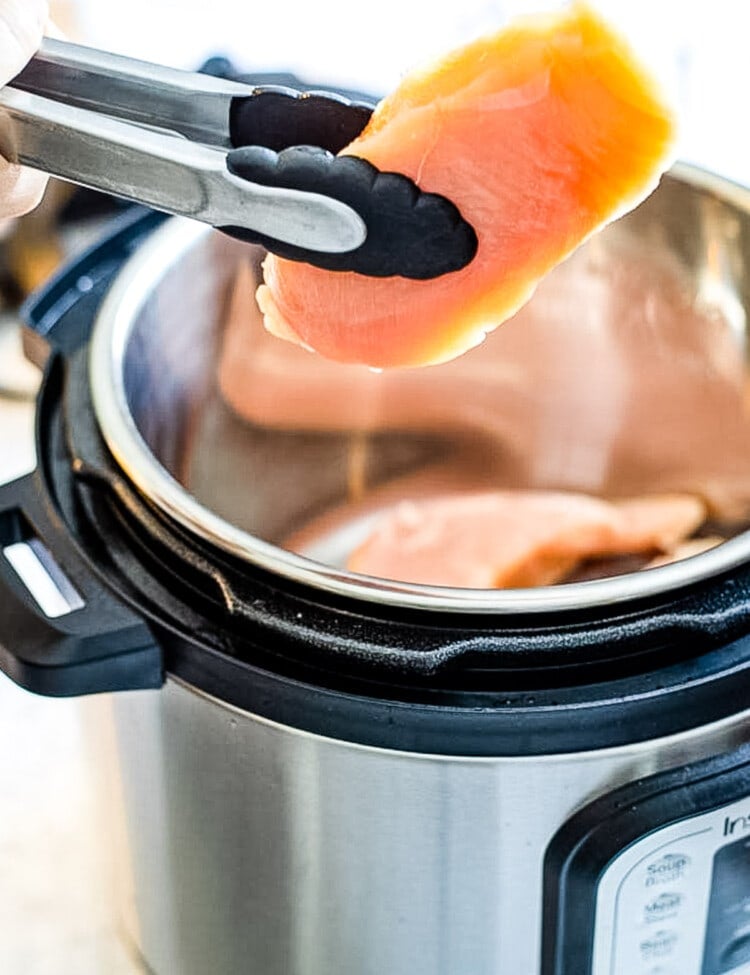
[320, 772]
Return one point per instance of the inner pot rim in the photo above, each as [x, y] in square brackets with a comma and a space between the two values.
[108, 346]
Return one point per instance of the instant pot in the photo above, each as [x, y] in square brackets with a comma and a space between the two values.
[314, 772]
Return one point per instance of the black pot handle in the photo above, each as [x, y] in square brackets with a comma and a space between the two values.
[62, 633]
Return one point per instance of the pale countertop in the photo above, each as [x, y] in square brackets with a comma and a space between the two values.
[55, 916]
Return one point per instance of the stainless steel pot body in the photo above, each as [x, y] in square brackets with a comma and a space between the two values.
[251, 847]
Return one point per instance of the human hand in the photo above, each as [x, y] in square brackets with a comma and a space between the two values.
[22, 23]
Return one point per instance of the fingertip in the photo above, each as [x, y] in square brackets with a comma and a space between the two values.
[22, 24]
[21, 190]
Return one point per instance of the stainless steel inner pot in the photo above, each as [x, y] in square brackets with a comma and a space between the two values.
[625, 374]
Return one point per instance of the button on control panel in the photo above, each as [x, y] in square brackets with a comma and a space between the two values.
[736, 953]
[677, 902]
[728, 928]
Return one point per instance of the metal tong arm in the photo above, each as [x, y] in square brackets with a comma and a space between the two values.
[287, 189]
[195, 105]
[210, 110]
[166, 172]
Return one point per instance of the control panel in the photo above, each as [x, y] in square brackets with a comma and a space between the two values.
[677, 902]
[654, 877]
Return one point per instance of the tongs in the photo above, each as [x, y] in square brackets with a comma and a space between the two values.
[258, 163]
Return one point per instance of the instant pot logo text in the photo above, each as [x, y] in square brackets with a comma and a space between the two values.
[739, 825]
[667, 869]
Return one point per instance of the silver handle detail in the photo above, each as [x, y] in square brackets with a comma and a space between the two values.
[166, 172]
[195, 105]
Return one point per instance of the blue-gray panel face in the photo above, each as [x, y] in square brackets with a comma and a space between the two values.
[728, 928]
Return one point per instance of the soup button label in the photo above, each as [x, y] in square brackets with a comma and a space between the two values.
[668, 869]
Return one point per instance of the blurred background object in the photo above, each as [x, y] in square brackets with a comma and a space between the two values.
[65, 15]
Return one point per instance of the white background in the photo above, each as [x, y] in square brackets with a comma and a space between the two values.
[700, 49]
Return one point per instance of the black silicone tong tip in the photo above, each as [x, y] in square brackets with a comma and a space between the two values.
[291, 138]
[410, 233]
[278, 117]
